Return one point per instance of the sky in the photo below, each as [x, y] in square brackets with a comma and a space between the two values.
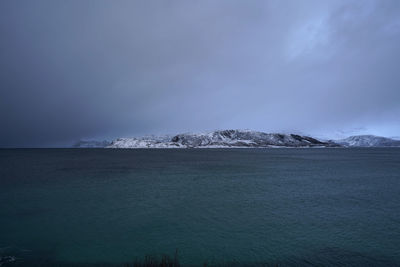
[95, 69]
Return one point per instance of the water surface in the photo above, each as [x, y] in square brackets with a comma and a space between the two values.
[286, 206]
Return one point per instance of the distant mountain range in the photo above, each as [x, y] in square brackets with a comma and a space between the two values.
[368, 141]
[238, 139]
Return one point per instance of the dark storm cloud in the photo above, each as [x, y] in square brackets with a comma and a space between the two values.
[94, 69]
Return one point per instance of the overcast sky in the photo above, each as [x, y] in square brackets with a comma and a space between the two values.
[73, 70]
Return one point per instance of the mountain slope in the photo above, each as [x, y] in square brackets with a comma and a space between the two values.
[368, 141]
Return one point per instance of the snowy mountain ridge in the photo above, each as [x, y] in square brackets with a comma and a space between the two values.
[222, 139]
[238, 139]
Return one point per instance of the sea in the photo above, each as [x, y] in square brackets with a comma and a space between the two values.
[219, 207]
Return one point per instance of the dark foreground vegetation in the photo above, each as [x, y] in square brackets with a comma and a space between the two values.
[325, 257]
[152, 261]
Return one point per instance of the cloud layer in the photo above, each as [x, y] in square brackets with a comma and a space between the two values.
[105, 69]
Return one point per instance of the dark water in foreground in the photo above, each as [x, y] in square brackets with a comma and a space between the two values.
[286, 206]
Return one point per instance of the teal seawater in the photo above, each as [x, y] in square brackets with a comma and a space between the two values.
[245, 206]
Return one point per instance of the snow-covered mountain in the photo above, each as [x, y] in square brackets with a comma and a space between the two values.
[91, 144]
[238, 138]
[145, 142]
[225, 138]
[368, 141]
